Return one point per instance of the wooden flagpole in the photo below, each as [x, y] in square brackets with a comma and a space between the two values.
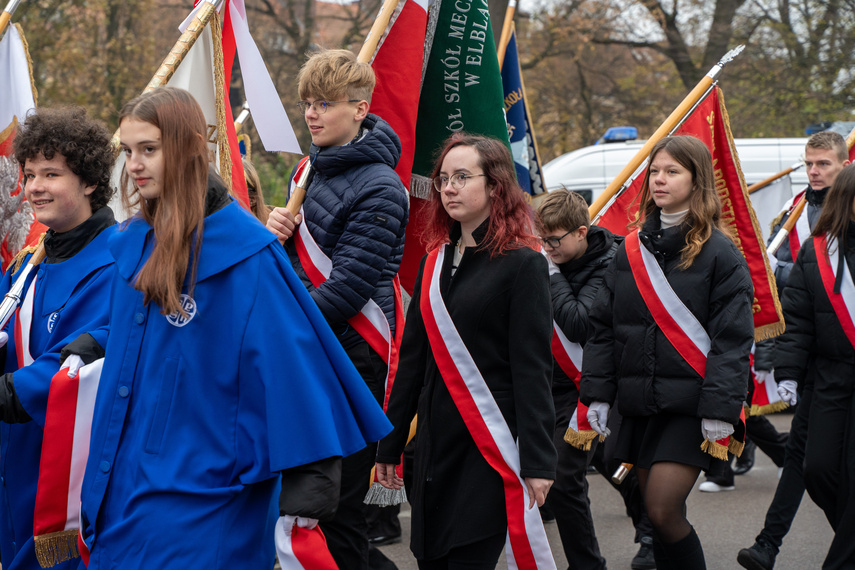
[674, 119]
[6, 15]
[507, 26]
[295, 202]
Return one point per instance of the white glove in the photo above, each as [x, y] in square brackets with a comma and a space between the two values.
[764, 376]
[787, 391]
[4, 338]
[598, 416]
[714, 430]
[74, 363]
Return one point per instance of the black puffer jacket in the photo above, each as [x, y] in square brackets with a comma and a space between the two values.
[764, 354]
[356, 209]
[628, 356]
[575, 289]
[814, 343]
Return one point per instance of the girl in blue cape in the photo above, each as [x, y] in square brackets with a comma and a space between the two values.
[220, 372]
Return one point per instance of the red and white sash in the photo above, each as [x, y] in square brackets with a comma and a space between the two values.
[843, 303]
[679, 326]
[526, 546]
[370, 323]
[23, 322]
[300, 545]
[677, 322]
[568, 356]
[801, 231]
[65, 449]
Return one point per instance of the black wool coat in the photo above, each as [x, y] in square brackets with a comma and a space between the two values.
[501, 309]
[627, 355]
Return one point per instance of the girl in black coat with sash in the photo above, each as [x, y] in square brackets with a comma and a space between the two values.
[483, 268]
[677, 387]
[820, 338]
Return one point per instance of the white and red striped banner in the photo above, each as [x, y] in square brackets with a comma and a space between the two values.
[370, 322]
[301, 545]
[800, 232]
[677, 322]
[65, 449]
[23, 322]
[527, 546]
[568, 356]
[843, 302]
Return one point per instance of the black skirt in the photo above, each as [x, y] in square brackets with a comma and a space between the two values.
[644, 441]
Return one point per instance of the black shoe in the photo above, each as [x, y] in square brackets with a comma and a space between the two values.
[644, 559]
[761, 556]
[382, 540]
[745, 462]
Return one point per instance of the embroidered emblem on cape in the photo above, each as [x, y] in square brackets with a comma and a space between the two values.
[52, 320]
[189, 305]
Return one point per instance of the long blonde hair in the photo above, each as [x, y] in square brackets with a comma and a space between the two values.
[704, 205]
[178, 213]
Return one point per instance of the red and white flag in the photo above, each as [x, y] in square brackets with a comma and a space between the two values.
[65, 449]
[300, 545]
[398, 62]
[709, 123]
[568, 356]
[18, 227]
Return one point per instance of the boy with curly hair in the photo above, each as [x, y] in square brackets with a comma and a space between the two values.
[66, 160]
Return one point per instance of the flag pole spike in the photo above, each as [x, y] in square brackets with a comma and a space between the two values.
[179, 51]
[6, 15]
[677, 116]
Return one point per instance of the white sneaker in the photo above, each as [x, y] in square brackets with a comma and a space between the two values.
[713, 487]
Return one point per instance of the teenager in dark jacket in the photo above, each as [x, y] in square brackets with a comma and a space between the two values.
[578, 255]
[672, 401]
[821, 336]
[481, 313]
[825, 156]
[355, 212]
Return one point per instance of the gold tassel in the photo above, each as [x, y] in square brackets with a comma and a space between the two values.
[18, 260]
[735, 446]
[715, 449]
[56, 547]
[756, 410]
[580, 440]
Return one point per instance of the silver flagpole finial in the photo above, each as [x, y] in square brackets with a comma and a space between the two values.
[728, 57]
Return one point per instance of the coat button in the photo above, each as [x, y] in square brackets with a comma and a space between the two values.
[124, 391]
[105, 466]
[139, 318]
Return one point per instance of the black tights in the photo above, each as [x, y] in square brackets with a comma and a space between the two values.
[665, 487]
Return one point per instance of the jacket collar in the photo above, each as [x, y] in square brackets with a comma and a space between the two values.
[222, 247]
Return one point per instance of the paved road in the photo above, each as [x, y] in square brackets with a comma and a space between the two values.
[725, 523]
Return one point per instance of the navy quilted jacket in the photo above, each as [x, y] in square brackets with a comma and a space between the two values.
[356, 209]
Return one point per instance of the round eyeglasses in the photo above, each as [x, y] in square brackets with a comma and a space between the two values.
[555, 242]
[458, 180]
[321, 107]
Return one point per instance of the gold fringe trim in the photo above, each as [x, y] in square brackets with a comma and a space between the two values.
[719, 451]
[29, 65]
[18, 260]
[756, 410]
[56, 547]
[581, 440]
[715, 449]
[735, 447]
[219, 96]
[776, 328]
